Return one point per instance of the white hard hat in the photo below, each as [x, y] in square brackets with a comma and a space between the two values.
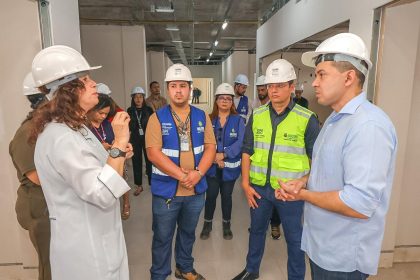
[241, 79]
[260, 81]
[225, 89]
[103, 89]
[279, 71]
[58, 62]
[29, 85]
[299, 87]
[178, 72]
[346, 47]
[136, 90]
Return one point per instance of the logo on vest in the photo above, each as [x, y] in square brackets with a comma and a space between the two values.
[233, 133]
[259, 133]
[290, 137]
[165, 128]
[200, 127]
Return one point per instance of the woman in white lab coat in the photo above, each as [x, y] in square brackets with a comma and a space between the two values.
[80, 179]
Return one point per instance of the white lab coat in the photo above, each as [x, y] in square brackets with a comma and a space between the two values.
[82, 191]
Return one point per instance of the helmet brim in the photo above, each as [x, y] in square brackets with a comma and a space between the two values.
[308, 58]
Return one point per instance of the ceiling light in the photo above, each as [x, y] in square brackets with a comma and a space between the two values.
[176, 41]
[208, 59]
[225, 24]
[172, 28]
[164, 10]
[211, 54]
[216, 43]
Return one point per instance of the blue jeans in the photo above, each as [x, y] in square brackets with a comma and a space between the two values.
[290, 214]
[318, 273]
[183, 211]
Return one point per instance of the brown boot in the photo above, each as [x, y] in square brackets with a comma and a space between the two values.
[193, 275]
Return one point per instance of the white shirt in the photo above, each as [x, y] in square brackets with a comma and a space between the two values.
[82, 191]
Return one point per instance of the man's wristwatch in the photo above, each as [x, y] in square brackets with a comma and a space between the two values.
[115, 153]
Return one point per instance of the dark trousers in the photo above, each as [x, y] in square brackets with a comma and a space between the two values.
[290, 213]
[32, 214]
[275, 219]
[318, 273]
[139, 150]
[216, 185]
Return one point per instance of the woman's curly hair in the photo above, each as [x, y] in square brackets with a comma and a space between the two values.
[63, 108]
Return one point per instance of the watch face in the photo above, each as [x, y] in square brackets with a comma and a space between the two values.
[114, 152]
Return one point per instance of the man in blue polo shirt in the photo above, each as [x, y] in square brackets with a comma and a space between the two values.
[353, 163]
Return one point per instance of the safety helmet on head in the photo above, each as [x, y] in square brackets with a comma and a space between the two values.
[241, 79]
[136, 90]
[178, 72]
[57, 65]
[341, 47]
[299, 87]
[103, 89]
[260, 81]
[224, 89]
[29, 85]
[279, 71]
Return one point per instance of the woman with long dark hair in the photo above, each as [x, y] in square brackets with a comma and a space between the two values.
[229, 129]
[81, 181]
[139, 116]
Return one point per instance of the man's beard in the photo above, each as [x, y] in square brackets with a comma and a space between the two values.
[262, 97]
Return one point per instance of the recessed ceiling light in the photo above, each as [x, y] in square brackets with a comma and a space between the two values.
[225, 24]
[172, 28]
[211, 54]
[216, 43]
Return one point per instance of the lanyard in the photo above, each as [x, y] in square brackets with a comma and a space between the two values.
[183, 126]
[138, 118]
[103, 137]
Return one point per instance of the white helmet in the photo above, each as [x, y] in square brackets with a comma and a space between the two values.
[225, 89]
[29, 85]
[241, 79]
[103, 89]
[260, 81]
[346, 47]
[58, 62]
[178, 72]
[299, 87]
[136, 90]
[279, 71]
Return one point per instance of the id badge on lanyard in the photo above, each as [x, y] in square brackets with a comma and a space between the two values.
[185, 142]
[141, 132]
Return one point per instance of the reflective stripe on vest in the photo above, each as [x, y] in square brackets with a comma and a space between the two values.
[289, 159]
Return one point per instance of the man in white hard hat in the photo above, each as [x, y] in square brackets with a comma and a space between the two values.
[242, 104]
[181, 145]
[155, 100]
[347, 194]
[31, 207]
[278, 144]
[261, 92]
[299, 99]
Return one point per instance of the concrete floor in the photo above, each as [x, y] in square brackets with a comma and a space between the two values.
[219, 259]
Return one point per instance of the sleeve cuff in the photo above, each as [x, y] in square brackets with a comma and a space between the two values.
[113, 181]
[358, 202]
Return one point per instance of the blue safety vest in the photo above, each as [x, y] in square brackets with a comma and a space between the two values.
[164, 185]
[232, 168]
[242, 108]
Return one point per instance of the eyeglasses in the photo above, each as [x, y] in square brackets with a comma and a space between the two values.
[225, 98]
[277, 85]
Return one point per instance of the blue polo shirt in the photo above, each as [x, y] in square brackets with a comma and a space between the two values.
[355, 154]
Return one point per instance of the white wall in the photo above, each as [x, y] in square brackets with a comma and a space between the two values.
[297, 21]
[207, 71]
[398, 87]
[121, 50]
[21, 41]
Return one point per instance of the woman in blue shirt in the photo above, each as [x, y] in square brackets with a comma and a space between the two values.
[229, 129]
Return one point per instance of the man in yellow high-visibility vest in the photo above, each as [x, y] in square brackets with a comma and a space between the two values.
[278, 144]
